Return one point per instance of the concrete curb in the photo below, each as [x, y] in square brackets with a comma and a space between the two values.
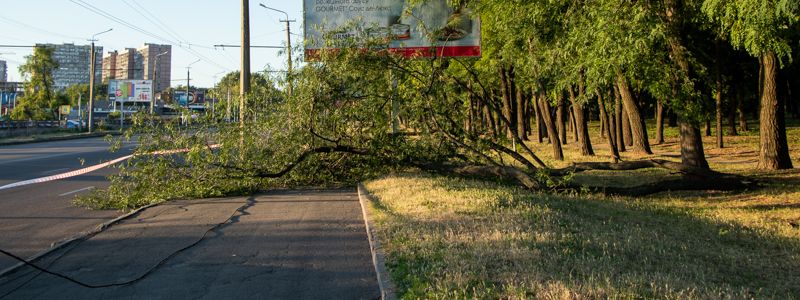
[61, 244]
[378, 255]
[60, 138]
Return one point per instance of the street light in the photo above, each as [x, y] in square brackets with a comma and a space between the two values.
[288, 47]
[155, 82]
[91, 77]
[187, 81]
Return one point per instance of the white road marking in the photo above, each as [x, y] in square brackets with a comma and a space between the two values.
[54, 171]
[91, 169]
[77, 191]
[65, 175]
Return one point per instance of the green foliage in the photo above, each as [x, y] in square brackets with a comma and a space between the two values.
[39, 102]
[758, 26]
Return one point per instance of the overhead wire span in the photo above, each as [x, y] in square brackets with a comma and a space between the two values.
[185, 46]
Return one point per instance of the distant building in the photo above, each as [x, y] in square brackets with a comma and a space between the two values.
[130, 65]
[3, 71]
[140, 64]
[109, 66]
[73, 64]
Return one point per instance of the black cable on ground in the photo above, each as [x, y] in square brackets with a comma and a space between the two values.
[149, 271]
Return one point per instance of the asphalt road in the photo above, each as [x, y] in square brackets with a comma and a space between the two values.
[33, 217]
[280, 245]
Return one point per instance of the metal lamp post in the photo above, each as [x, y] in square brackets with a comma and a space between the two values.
[90, 107]
[288, 47]
[189, 67]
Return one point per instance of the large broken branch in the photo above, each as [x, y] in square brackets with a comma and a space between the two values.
[306, 154]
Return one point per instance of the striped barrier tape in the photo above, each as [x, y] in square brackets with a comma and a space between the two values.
[89, 169]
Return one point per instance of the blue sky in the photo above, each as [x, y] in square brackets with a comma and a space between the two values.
[201, 23]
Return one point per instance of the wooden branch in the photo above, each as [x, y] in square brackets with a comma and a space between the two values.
[306, 154]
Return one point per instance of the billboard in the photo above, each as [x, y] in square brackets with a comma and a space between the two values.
[413, 31]
[197, 97]
[130, 90]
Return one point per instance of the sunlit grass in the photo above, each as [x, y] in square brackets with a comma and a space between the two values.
[457, 238]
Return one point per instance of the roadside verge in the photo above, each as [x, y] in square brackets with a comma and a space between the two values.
[58, 138]
[378, 255]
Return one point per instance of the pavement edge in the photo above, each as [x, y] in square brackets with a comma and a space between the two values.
[60, 138]
[378, 255]
[61, 244]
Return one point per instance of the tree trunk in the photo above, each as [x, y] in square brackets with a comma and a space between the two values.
[603, 126]
[672, 119]
[508, 112]
[573, 124]
[708, 127]
[618, 111]
[521, 132]
[742, 116]
[581, 128]
[490, 121]
[732, 117]
[604, 116]
[640, 141]
[660, 122]
[774, 154]
[561, 123]
[718, 95]
[627, 135]
[538, 117]
[691, 155]
[544, 108]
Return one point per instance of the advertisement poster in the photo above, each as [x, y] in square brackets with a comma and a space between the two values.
[195, 98]
[424, 28]
[130, 90]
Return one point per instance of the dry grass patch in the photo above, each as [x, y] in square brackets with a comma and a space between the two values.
[456, 238]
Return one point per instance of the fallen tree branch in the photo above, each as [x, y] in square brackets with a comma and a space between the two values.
[306, 154]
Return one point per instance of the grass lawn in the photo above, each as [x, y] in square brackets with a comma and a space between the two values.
[457, 238]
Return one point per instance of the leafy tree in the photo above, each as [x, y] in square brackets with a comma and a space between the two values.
[762, 28]
[38, 102]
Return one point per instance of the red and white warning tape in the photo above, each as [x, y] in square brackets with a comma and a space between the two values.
[88, 169]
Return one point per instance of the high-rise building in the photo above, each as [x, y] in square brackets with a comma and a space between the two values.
[157, 61]
[130, 65]
[109, 66]
[73, 64]
[3, 71]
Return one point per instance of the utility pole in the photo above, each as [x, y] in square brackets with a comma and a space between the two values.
[288, 48]
[90, 107]
[244, 74]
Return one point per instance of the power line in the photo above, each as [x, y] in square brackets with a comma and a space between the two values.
[179, 44]
[149, 19]
[34, 28]
[118, 20]
[173, 33]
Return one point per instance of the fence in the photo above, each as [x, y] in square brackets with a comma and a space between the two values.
[26, 128]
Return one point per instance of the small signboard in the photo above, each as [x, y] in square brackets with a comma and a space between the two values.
[64, 109]
[428, 28]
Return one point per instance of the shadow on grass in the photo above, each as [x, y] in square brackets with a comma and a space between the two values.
[595, 248]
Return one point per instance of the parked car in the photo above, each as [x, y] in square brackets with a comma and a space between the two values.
[75, 124]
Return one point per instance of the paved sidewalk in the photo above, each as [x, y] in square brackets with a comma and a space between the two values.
[280, 245]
